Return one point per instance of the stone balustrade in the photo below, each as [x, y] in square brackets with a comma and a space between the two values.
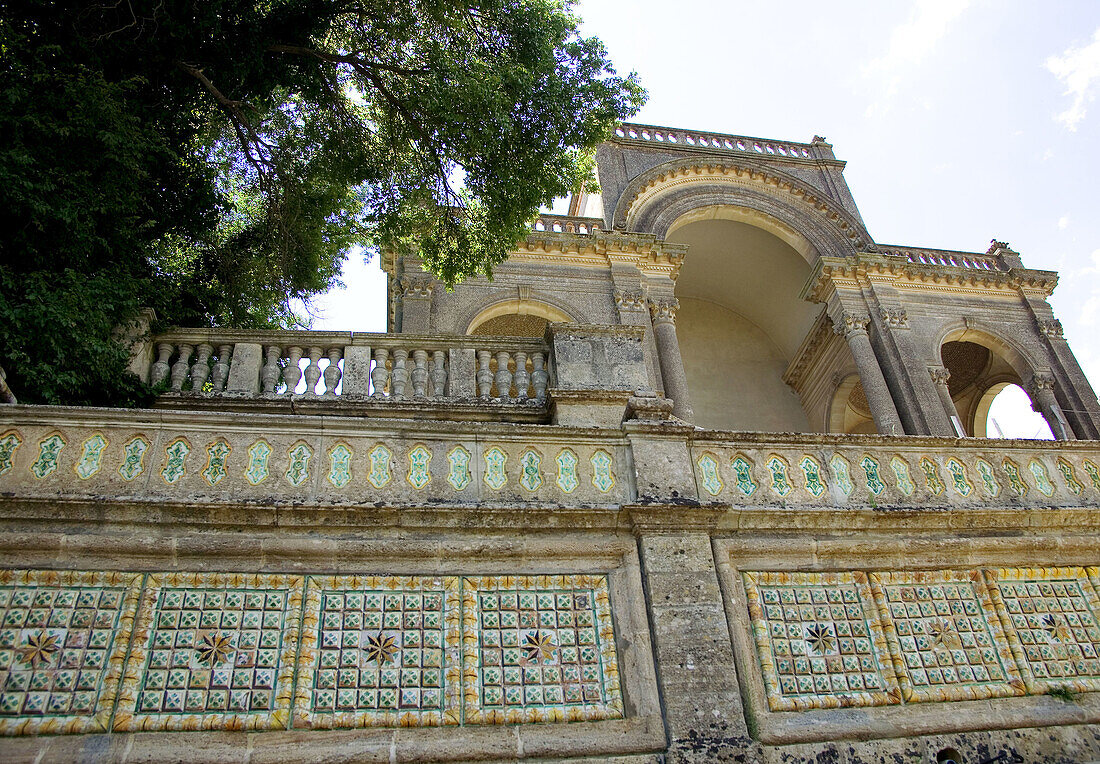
[715, 141]
[949, 257]
[567, 224]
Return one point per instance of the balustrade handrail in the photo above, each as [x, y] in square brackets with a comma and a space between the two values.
[566, 224]
[720, 141]
[950, 257]
[315, 338]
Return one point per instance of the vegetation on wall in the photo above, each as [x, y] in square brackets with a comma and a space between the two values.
[216, 160]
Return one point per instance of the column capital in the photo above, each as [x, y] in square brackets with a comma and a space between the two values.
[940, 375]
[664, 310]
[1049, 327]
[895, 318]
[628, 299]
[851, 323]
[1041, 381]
[416, 286]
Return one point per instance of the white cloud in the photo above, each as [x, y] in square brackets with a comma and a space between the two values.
[910, 43]
[1079, 70]
[1063, 222]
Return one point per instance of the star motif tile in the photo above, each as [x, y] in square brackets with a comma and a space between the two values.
[63, 639]
[379, 651]
[819, 641]
[538, 649]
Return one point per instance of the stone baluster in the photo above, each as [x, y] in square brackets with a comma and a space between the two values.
[160, 369]
[313, 371]
[181, 367]
[332, 371]
[853, 327]
[419, 373]
[200, 371]
[269, 374]
[540, 377]
[1043, 400]
[439, 373]
[400, 375]
[940, 377]
[523, 378]
[484, 374]
[292, 372]
[503, 376]
[380, 375]
[663, 312]
[221, 369]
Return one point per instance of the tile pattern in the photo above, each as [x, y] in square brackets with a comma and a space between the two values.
[459, 473]
[811, 471]
[212, 651]
[63, 639]
[708, 474]
[567, 470]
[9, 443]
[49, 449]
[819, 641]
[134, 462]
[1050, 619]
[538, 648]
[91, 456]
[944, 636]
[379, 651]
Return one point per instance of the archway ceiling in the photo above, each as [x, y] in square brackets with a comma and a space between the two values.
[751, 272]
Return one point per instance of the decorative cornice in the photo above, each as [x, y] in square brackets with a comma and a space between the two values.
[664, 310]
[650, 254]
[808, 351]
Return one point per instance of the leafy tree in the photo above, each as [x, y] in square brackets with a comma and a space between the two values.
[217, 159]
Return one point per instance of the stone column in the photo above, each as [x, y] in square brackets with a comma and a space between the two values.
[416, 305]
[853, 327]
[940, 377]
[1041, 390]
[663, 312]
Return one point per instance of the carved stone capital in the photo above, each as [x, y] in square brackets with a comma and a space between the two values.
[413, 287]
[852, 323]
[627, 299]
[939, 374]
[1049, 327]
[664, 310]
[895, 318]
[1041, 381]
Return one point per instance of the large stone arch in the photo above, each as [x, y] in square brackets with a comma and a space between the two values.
[657, 198]
[540, 306]
[1018, 357]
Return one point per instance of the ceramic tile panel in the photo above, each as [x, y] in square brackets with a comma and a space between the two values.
[944, 636]
[63, 640]
[212, 651]
[538, 649]
[819, 641]
[379, 651]
[1050, 619]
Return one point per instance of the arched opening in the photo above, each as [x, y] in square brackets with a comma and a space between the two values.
[850, 413]
[740, 322]
[516, 318]
[1004, 411]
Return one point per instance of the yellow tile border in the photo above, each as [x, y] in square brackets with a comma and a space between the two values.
[1012, 686]
[99, 719]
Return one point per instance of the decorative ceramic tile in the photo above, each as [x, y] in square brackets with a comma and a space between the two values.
[420, 462]
[212, 651]
[297, 470]
[133, 462]
[91, 456]
[567, 470]
[175, 460]
[258, 454]
[458, 474]
[1042, 479]
[63, 639]
[217, 457]
[1049, 615]
[932, 479]
[781, 483]
[380, 458]
[339, 461]
[1069, 475]
[819, 641]
[841, 473]
[871, 470]
[959, 480]
[989, 482]
[1090, 468]
[708, 474]
[811, 471]
[9, 443]
[901, 473]
[602, 476]
[49, 449]
[530, 473]
[380, 651]
[742, 468]
[1015, 481]
[944, 636]
[495, 476]
[538, 649]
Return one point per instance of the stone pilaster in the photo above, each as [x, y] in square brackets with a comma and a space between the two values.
[940, 377]
[663, 312]
[416, 304]
[632, 307]
[853, 327]
[1043, 400]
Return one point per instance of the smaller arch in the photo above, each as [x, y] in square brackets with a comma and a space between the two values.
[837, 418]
[755, 218]
[980, 411]
[980, 334]
[518, 307]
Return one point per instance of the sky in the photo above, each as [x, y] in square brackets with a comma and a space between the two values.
[960, 120]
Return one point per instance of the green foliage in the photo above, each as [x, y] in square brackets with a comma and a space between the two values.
[217, 160]
[1063, 693]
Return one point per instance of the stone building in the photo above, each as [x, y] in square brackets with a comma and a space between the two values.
[699, 476]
